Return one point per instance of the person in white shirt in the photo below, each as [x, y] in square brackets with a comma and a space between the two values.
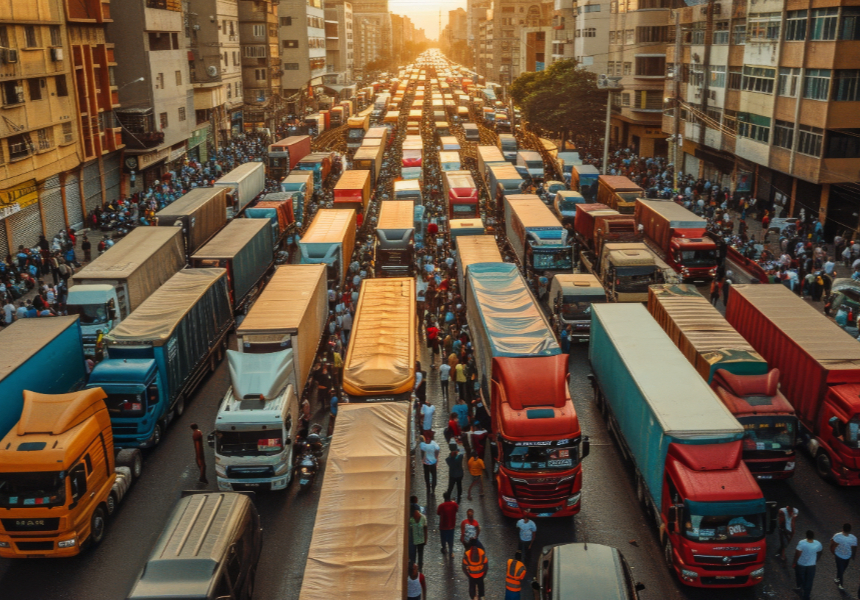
[843, 545]
[427, 411]
[805, 556]
[444, 377]
[8, 313]
[785, 518]
[430, 451]
[527, 529]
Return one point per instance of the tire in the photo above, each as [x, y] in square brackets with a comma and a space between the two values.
[668, 554]
[111, 504]
[131, 458]
[640, 490]
[98, 526]
[823, 466]
[249, 589]
[157, 434]
[179, 408]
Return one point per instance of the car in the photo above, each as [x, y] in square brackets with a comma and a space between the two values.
[584, 572]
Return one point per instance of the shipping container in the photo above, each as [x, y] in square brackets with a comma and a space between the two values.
[330, 239]
[243, 185]
[201, 213]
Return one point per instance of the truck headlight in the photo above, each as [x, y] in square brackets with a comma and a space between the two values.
[758, 573]
[689, 575]
[220, 471]
[224, 486]
[5, 545]
[282, 469]
[511, 502]
[789, 466]
[67, 543]
[574, 500]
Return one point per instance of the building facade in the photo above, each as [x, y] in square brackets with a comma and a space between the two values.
[261, 64]
[302, 35]
[591, 35]
[339, 53]
[769, 104]
[372, 29]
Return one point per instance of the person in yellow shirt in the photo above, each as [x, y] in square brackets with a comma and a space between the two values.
[476, 470]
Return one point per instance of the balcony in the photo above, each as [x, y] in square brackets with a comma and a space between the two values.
[138, 128]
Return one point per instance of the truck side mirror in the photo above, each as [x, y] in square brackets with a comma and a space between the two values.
[672, 525]
[586, 447]
[535, 585]
[639, 586]
[771, 513]
[210, 439]
[834, 425]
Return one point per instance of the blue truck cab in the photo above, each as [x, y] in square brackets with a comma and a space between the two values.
[132, 386]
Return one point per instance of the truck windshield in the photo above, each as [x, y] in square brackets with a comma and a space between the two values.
[579, 308]
[567, 206]
[126, 405]
[249, 443]
[721, 528]
[850, 433]
[90, 314]
[698, 258]
[355, 134]
[631, 280]
[32, 489]
[560, 260]
[540, 458]
[766, 433]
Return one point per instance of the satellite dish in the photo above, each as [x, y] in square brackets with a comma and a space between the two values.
[212, 71]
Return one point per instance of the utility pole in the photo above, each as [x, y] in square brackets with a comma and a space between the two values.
[676, 122]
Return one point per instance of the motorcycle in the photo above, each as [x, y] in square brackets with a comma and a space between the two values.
[307, 469]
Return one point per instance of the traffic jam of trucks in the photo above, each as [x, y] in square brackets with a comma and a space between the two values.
[710, 411]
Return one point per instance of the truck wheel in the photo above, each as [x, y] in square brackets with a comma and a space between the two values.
[822, 465]
[110, 504]
[180, 406]
[668, 555]
[131, 458]
[98, 525]
[640, 490]
[156, 434]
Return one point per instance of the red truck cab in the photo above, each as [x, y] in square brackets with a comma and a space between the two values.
[538, 443]
[679, 237]
[714, 516]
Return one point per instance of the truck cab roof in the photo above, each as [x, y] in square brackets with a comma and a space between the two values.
[257, 394]
[629, 255]
[127, 371]
[711, 472]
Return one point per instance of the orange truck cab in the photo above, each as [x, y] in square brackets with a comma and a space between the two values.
[59, 479]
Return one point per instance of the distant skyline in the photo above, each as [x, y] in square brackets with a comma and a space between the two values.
[425, 15]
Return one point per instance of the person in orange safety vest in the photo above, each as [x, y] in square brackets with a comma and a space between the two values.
[514, 576]
[475, 566]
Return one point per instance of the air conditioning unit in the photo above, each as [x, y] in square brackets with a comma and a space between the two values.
[56, 54]
[12, 55]
[212, 71]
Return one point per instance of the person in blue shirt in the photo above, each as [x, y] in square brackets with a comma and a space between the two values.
[565, 341]
[333, 413]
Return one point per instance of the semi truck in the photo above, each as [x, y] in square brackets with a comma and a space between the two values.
[570, 298]
[302, 184]
[461, 195]
[319, 163]
[394, 250]
[564, 205]
[618, 193]
[450, 161]
[472, 250]
[679, 237]
[737, 373]
[330, 240]
[533, 163]
[283, 155]
[352, 190]
[243, 184]
[109, 288]
[584, 178]
[277, 208]
[508, 146]
[34, 349]
[537, 238]
[537, 445]
[158, 356]
[819, 367]
[504, 180]
[488, 155]
[57, 495]
[685, 447]
[408, 190]
[369, 158]
[200, 213]
[244, 248]
[256, 423]
[464, 227]
[357, 127]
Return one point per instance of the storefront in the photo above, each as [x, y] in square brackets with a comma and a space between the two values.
[236, 122]
[145, 169]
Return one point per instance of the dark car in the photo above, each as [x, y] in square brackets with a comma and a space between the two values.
[584, 572]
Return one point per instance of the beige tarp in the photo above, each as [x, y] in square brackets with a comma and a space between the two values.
[232, 239]
[155, 319]
[207, 210]
[531, 211]
[294, 302]
[395, 215]
[358, 549]
[25, 337]
[473, 249]
[382, 349]
[145, 259]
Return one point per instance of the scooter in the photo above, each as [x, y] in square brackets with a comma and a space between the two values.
[307, 469]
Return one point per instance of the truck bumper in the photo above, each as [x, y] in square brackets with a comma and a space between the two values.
[35, 547]
[256, 485]
[697, 576]
[511, 507]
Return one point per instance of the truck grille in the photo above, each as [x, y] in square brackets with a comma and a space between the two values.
[124, 430]
[34, 546]
[720, 562]
[51, 524]
[740, 580]
[542, 491]
[250, 472]
[766, 467]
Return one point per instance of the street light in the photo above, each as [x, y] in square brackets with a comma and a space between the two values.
[138, 80]
[610, 84]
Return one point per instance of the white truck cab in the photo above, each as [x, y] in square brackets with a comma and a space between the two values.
[257, 423]
[99, 308]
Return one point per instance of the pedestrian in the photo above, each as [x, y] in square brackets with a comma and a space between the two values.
[416, 586]
[805, 557]
[332, 415]
[86, 246]
[514, 575]
[527, 529]
[197, 438]
[476, 470]
[430, 450]
[418, 524]
[786, 519]
[475, 566]
[716, 288]
[461, 379]
[455, 473]
[427, 411]
[324, 385]
[444, 377]
[452, 431]
[843, 545]
[447, 512]
[470, 529]
[462, 410]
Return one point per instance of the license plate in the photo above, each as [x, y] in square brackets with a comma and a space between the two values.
[544, 514]
[764, 476]
[251, 484]
[303, 481]
[724, 577]
[582, 340]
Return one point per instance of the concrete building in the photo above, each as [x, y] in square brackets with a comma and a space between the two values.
[639, 34]
[564, 29]
[372, 28]
[535, 49]
[508, 19]
[339, 50]
[302, 36]
[770, 105]
[216, 73]
[261, 63]
[458, 24]
[476, 11]
[591, 35]
[484, 61]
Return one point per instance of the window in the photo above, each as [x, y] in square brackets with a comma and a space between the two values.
[816, 84]
[697, 75]
[843, 143]
[78, 480]
[611, 37]
[20, 146]
[590, 32]
[290, 43]
[629, 37]
[758, 79]
[589, 8]
[35, 88]
[4, 36]
[112, 76]
[810, 140]
[730, 120]
[229, 92]
[823, 23]
[739, 34]
[715, 115]
[610, 68]
[625, 99]
[648, 100]
[235, 58]
[254, 51]
[259, 31]
[763, 27]
[717, 76]
[60, 84]
[56, 40]
[286, 21]
[789, 79]
[697, 34]
[850, 29]
[650, 66]
[261, 75]
[181, 113]
[628, 68]
[67, 133]
[754, 127]
[735, 78]
[30, 36]
[163, 120]
[721, 32]
[846, 85]
[291, 66]
[783, 134]
[159, 41]
[647, 35]
[89, 463]
[159, 81]
[795, 26]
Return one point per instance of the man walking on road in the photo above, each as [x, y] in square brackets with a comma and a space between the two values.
[514, 576]
[427, 411]
[197, 438]
[476, 469]
[416, 586]
[430, 449]
[843, 545]
[475, 566]
[418, 524]
[447, 512]
[786, 519]
[455, 473]
[444, 377]
[807, 554]
[527, 529]
[470, 529]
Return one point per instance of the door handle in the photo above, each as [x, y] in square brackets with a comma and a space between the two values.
[92, 495]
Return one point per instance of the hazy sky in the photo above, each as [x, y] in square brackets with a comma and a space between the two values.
[425, 14]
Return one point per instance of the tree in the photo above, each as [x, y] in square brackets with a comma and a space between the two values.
[563, 100]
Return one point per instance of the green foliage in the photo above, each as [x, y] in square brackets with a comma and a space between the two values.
[562, 99]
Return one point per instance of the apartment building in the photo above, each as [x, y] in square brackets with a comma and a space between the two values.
[770, 104]
[591, 35]
[261, 64]
[155, 88]
[372, 28]
[563, 30]
[215, 68]
[476, 11]
[484, 65]
[508, 19]
[639, 33]
[536, 44]
[302, 35]
[339, 50]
